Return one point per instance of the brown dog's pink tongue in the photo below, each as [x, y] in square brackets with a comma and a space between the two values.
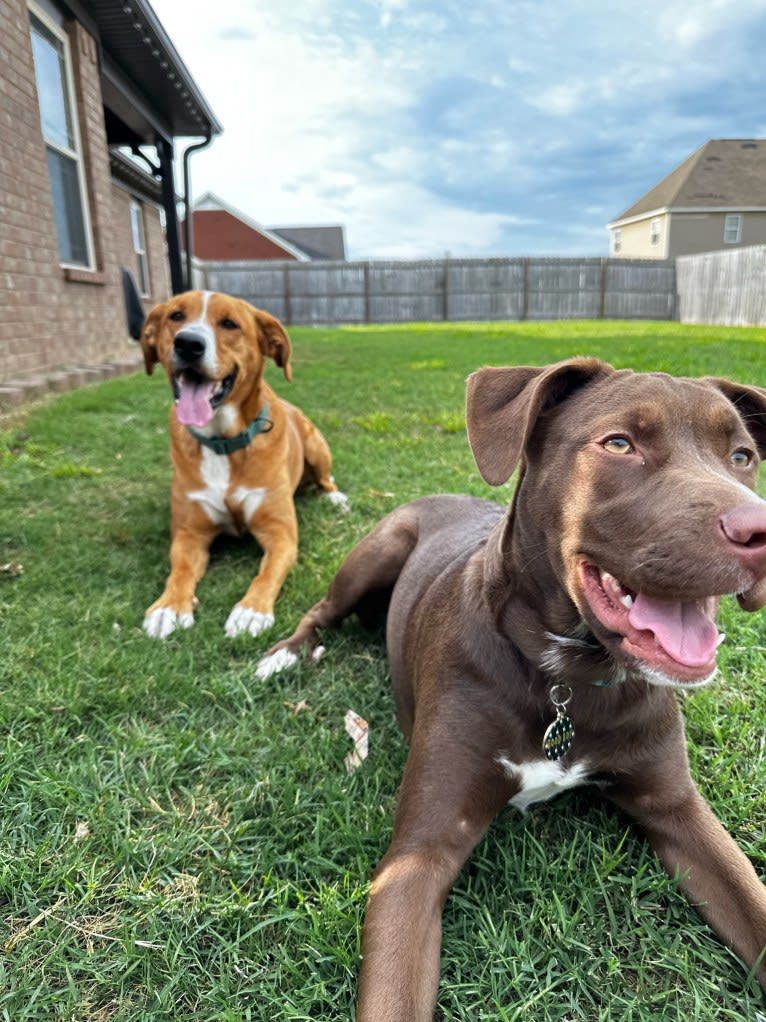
[683, 630]
[193, 406]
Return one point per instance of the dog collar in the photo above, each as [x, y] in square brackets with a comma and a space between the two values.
[228, 444]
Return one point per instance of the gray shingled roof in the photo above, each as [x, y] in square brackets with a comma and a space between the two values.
[724, 173]
[324, 242]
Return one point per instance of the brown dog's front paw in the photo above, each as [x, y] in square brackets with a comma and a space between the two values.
[281, 658]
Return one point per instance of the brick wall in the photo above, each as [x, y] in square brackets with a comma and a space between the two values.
[219, 235]
[159, 283]
[50, 316]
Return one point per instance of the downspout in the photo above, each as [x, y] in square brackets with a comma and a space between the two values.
[188, 225]
[165, 152]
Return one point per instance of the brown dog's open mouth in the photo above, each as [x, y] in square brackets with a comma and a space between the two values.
[197, 396]
[677, 639]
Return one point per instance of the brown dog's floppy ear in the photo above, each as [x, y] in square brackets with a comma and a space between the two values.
[273, 340]
[750, 402]
[148, 335]
[503, 404]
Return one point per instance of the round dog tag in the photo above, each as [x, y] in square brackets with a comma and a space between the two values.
[558, 737]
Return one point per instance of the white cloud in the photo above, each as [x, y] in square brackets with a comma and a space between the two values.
[437, 230]
[388, 10]
[561, 99]
[429, 126]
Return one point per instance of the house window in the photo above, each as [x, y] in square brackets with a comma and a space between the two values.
[139, 245]
[655, 231]
[616, 240]
[53, 75]
[732, 228]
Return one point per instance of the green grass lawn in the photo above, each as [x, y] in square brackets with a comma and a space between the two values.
[180, 841]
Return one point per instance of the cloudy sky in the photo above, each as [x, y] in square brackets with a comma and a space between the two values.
[491, 127]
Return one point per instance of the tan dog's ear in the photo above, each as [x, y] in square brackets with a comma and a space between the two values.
[273, 340]
[503, 404]
[148, 335]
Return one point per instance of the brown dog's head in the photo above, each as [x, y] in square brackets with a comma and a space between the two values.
[212, 347]
[636, 499]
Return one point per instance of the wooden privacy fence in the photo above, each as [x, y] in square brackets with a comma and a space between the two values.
[449, 289]
[727, 288]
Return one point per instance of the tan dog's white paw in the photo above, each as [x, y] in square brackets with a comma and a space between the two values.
[244, 621]
[340, 500]
[161, 622]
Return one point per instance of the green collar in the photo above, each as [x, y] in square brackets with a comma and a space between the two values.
[228, 444]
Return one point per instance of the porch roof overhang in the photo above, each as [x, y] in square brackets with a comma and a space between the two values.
[145, 84]
[150, 99]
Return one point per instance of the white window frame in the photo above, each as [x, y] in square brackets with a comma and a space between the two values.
[75, 154]
[655, 230]
[732, 228]
[138, 234]
[616, 239]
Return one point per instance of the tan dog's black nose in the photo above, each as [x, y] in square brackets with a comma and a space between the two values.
[744, 528]
[189, 346]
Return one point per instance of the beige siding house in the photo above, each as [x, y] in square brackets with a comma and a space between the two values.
[715, 199]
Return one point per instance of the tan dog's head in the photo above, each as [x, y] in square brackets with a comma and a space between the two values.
[212, 347]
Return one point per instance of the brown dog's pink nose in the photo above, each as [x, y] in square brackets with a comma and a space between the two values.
[745, 529]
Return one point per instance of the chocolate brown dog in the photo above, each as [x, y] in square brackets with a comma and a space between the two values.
[539, 648]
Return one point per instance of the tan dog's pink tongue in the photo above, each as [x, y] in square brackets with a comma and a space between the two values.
[683, 630]
[193, 406]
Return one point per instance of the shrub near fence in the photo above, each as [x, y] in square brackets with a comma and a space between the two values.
[449, 289]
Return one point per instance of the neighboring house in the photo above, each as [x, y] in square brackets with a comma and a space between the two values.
[92, 98]
[715, 199]
[221, 233]
[326, 242]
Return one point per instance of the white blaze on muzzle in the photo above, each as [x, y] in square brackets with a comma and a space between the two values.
[195, 383]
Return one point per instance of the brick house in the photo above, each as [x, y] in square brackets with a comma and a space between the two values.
[92, 98]
[715, 199]
[221, 233]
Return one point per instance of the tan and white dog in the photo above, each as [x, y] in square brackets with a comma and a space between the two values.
[239, 452]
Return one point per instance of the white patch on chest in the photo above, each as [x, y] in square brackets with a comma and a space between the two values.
[541, 779]
[214, 469]
[214, 499]
[250, 499]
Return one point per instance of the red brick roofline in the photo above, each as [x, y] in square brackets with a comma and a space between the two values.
[230, 230]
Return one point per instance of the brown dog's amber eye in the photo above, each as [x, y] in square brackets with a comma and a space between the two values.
[229, 324]
[177, 315]
[618, 445]
[742, 458]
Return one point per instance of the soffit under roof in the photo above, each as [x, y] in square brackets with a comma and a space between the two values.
[144, 81]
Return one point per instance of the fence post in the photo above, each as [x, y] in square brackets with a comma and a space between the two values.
[602, 295]
[367, 292]
[445, 307]
[286, 288]
[524, 289]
